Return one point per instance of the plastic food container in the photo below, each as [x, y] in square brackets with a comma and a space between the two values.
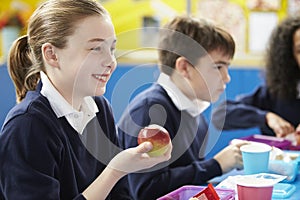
[280, 143]
[289, 169]
[188, 191]
[283, 190]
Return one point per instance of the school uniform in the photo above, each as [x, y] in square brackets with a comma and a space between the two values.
[250, 110]
[51, 151]
[164, 104]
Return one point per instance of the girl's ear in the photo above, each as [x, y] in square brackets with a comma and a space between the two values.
[49, 55]
[183, 67]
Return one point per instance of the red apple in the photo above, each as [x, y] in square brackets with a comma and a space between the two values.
[158, 136]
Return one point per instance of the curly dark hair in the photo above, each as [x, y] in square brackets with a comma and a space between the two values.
[282, 70]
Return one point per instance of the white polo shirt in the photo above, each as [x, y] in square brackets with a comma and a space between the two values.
[77, 119]
[181, 101]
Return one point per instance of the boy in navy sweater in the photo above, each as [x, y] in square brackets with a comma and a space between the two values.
[194, 56]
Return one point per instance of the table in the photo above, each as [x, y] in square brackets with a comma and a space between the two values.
[296, 183]
[296, 194]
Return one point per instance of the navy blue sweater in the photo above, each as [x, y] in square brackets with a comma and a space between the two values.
[153, 106]
[249, 111]
[43, 157]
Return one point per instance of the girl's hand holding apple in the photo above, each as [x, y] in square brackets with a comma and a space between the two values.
[159, 138]
[147, 154]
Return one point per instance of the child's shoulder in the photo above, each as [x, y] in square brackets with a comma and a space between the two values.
[34, 104]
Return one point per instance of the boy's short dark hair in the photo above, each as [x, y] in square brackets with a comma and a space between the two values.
[191, 38]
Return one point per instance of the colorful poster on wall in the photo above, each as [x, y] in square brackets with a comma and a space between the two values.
[264, 5]
[293, 7]
[261, 25]
[230, 16]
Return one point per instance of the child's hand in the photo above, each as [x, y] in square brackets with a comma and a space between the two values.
[136, 158]
[280, 126]
[297, 134]
[231, 157]
[298, 129]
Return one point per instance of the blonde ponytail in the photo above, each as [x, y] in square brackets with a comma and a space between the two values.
[21, 69]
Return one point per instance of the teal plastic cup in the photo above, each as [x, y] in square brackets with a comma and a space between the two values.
[256, 158]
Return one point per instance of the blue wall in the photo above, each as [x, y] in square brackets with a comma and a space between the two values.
[7, 95]
[129, 80]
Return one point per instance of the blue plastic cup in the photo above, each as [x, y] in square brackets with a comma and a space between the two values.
[256, 158]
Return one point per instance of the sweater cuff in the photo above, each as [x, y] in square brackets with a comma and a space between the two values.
[261, 117]
[212, 169]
